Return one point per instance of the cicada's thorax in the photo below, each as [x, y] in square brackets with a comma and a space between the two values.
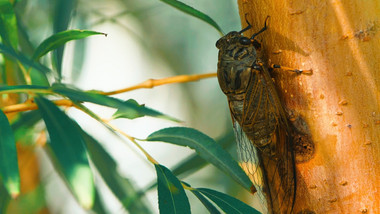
[240, 78]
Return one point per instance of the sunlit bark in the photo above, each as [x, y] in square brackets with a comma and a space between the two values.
[338, 106]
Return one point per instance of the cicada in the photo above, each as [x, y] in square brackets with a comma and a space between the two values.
[260, 123]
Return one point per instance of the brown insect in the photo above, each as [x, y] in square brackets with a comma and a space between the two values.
[260, 123]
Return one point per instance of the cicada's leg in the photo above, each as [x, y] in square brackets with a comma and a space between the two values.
[298, 71]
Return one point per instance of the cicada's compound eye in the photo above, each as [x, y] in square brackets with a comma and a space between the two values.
[244, 41]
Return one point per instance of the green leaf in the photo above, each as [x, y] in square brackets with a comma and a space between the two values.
[21, 88]
[68, 147]
[23, 59]
[206, 147]
[209, 206]
[9, 173]
[135, 110]
[171, 195]
[23, 127]
[63, 12]
[31, 201]
[227, 203]
[126, 109]
[194, 12]
[98, 203]
[59, 39]
[8, 24]
[122, 188]
[195, 162]
[4, 199]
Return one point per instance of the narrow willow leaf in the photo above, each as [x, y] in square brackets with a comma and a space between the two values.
[171, 195]
[227, 203]
[21, 88]
[60, 39]
[206, 147]
[195, 162]
[122, 188]
[194, 12]
[63, 13]
[98, 203]
[4, 199]
[68, 147]
[126, 109]
[23, 127]
[209, 206]
[9, 173]
[8, 24]
[23, 59]
[138, 111]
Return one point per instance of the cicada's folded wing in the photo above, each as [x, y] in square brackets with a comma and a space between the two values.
[279, 171]
[269, 156]
[250, 162]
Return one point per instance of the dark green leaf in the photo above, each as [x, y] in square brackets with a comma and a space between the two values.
[171, 195]
[4, 199]
[209, 206]
[206, 147]
[63, 12]
[60, 39]
[23, 127]
[122, 188]
[21, 88]
[9, 174]
[128, 109]
[138, 111]
[68, 147]
[227, 203]
[194, 12]
[23, 59]
[98, 203]
[195, 162]
[8, 24]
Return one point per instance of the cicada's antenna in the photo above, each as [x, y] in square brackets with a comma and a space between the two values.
[262, 29]
[248, 27]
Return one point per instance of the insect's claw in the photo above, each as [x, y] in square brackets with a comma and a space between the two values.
[297, 71]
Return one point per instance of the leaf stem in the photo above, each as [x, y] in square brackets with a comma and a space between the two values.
[133, 140]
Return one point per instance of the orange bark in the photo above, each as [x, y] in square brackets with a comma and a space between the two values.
[339, 102]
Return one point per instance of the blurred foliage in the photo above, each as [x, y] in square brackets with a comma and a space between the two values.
[33, 66]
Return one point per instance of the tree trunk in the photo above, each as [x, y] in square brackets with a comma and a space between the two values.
[336, 110]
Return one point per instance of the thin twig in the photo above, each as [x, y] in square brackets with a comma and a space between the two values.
[150, 83]
[27, 106]
[133, 140]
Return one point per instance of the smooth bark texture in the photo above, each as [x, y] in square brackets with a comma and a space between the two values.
[337, 108]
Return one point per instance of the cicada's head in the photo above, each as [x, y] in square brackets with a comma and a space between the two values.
[237, 55]
[236, 39]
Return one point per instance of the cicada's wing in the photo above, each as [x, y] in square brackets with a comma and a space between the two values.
[269, 155]
[250, 162]
[279, 170]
